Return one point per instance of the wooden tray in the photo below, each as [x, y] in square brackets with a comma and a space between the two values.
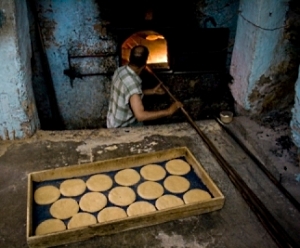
[129, 223]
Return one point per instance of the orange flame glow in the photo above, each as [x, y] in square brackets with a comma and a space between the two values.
[156, 43]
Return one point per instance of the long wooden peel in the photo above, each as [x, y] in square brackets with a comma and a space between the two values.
[276, 231]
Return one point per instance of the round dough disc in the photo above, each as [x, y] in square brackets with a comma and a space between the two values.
[111, 213]
[121, 196]
[50, 226]
[81, 219]
[153, 172]
[99, 182]
[64, 208]
[139, 208]
[178, 167]
[127, 177]
[176, 184]
[150, 190]
[92, 202]
[168, 201]
[46, 195]
[72, 187]
[196, 195]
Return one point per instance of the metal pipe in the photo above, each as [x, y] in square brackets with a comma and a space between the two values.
[93, 55]
[261, 166]
[276, 231]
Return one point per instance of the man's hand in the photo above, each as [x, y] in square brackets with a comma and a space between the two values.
[158, 90]
[174, 107]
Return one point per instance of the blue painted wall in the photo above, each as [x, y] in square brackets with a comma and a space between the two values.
[18, 115]
[259, 54]
[73, 27]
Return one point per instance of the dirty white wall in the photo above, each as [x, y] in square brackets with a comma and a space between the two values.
[18, 115]
[295, 123]
[259, 51]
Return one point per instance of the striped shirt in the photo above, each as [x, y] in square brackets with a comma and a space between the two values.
[125, 83]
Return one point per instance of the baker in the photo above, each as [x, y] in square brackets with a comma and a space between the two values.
[125, 103]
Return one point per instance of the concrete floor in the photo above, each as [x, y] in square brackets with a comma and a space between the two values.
[235, 225]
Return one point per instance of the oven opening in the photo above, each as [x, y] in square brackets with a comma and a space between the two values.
[156, 43]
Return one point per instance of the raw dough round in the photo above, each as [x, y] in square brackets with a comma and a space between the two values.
[92, 202]
[50, 226]
[64, 208]
[127, 177]
[178, 167]
[153, 172]
[99, 182]
[81, 219]
[168, 201]
[196, 195]
[150, 190]
[72, 187]
[111, 213]
[176, 184]
[121, 196]
[139, 208]
[46, 195]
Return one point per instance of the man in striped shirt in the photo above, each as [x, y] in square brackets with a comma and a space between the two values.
[125, 104]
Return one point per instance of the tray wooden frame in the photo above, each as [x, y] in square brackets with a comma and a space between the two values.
[129, 223]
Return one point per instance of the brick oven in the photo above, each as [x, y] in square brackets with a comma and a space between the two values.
[82, 53]
[172, 34]
[171, 51]
[190, 60]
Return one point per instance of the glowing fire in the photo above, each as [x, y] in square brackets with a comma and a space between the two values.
[158, 53]
[156, 44]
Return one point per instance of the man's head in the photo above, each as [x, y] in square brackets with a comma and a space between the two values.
[138, 56]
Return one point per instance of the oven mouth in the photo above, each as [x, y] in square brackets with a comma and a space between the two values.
[154, 41]
[201, 50]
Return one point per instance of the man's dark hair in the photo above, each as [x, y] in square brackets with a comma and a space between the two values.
[139, 55]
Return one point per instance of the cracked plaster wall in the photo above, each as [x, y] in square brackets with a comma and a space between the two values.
[259, 50]
[73, 27]
[18, 115]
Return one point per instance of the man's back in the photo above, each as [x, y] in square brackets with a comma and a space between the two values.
[125, 83]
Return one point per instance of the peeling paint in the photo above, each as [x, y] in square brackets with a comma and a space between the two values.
[259, 54]
[73, 28]
[18, 116]
[275, 91]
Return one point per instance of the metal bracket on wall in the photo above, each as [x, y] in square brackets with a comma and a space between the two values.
[73, 72]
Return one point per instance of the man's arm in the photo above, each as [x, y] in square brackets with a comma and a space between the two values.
[142, 115]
